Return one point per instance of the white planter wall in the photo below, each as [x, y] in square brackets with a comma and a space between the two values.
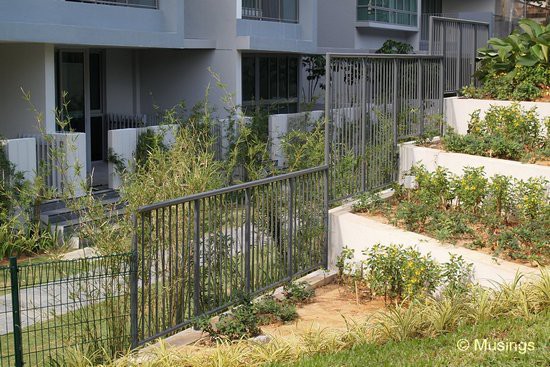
[458, 110]
[123, 143]
[279, 125]
[73, 146]
[22, 153]
[410, 154]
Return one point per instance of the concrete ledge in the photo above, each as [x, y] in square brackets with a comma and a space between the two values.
[410, 154]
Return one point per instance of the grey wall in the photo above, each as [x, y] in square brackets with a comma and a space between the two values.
[168, 77]
[31, 67]
[120, 83]
[338, 31]
[63, 22]
[453, 6]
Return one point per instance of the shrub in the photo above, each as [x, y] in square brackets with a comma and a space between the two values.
[268, 310]
[507, 132]
[510, 216]
[298, 292]
[398, 273]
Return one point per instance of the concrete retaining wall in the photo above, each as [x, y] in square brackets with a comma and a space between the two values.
[410, 154]
[458, 110]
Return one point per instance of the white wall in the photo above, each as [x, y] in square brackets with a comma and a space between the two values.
[458, 110]
[22, 154]
[31, 67]
[410, 155]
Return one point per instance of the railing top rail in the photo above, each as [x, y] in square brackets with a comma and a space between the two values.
[226, 190]
[383, 56]
[458, 20]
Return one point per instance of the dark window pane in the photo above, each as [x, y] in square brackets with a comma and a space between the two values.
[248, 78]
[95, 81]
[273, 88]
[283, 77]
[264, 78]
[293, 77]
[289, 10]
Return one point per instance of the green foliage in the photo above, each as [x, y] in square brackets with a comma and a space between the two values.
[395, 47]
[506, 132]
[368, 202]
[304, 147]
[298, 292]
[510, 216]
[269, 310]
[516, 67]
[314, 66]
[456, 274]
[240, 323]
[148, 142]
[399, 273]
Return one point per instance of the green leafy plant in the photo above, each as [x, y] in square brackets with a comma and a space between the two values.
[395, 47]
[506, 132]
[269, 310]
[398, 273]
[298, 292]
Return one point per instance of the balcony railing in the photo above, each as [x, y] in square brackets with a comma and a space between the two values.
[149, 4]
[285, 11]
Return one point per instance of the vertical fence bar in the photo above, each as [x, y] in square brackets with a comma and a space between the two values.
[134, 286]
[395, 99]
[196, 258]
[326, 199]
[290, 227]
[420, 75]
[459, 58]
[247, 240]
[363, 129]
[16, 313]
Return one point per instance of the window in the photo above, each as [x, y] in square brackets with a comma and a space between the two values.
[153, 4]
[270, 82]
[401, 12]
[271, 10]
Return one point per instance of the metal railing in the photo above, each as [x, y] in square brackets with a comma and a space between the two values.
[457, 40]
[198, 253]
[121, 121]
[49, 309]
[149, 4]
[48, 158]
[372, 102]
[271, 10]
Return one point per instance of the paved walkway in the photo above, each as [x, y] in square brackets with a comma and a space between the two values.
[361, 233]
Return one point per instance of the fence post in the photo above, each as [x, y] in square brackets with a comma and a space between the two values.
[395, 100]
[134, 287]
[421, 95]
[16, 313]
[196, 259]
[459, 59]
[247, 241]
[290, 227]
[326, 218]
[363, 126]
[328, 115]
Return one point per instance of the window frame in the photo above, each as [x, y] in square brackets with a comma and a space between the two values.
[392, 12]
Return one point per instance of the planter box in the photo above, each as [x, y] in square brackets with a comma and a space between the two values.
[361, 233]
[458, 110]
[410, 154]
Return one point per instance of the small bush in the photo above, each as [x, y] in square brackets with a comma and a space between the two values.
[298, 292]
[399, 273]
[506, 132]
[269, 310]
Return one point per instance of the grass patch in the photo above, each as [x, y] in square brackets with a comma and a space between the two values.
[443, 350]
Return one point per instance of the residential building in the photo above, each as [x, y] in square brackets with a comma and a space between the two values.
[129, 57]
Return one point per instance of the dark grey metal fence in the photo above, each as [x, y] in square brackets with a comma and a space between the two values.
[457, 40]
[48, 310]
[372, 102]
[198, 253]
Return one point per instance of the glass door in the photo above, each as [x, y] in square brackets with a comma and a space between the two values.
[80, 87]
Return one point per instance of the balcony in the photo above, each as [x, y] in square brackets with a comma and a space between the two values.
[284, 11]
[151, 4]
